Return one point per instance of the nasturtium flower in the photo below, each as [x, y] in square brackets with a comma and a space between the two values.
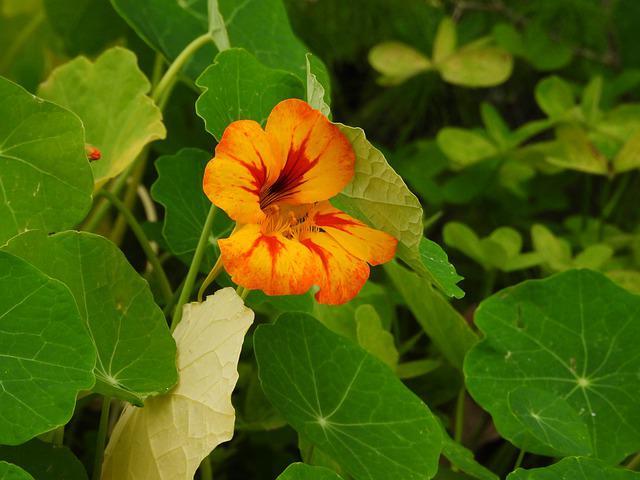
[276, 184]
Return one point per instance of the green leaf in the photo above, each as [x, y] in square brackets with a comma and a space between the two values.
[574, 336]
[554, 96]
[445, 42]
[628, 158]
[554, 251]
[11, 472]
[542, 51]
[136, 353]
[85, 26]
[378, 196]
[300, 471]
[259, 26]
[325, 387]
[465, 147]
[109, 96]
[461, 237]
[448, 330]
[46, 180]
[438, 269]
[591, 96]
[316, 95]
[237, 86]
[46, 356]
[462, 458]
[45, 461]
[178, 190]
[575, 468]
[477, 64]
[397, 62]
[373, 337]
[496, 127]
[575, 151]
[548, 419]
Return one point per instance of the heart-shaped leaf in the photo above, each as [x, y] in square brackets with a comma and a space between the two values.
[237, 86]
[109, 95]
[326, 388]
[46, 180]
[136, 354]
[45, 461]
[575, 468]
[46, 356]
[300, 471]
[575, 337]
[170, 436]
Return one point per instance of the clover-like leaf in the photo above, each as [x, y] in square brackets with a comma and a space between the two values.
[574, 336]
[346, 402]
[465, 147]
[301, 471]
[575, 468]
[446, 328]
[477, 64]
[170, 436]
[44, 460]
[46, 179]
[136, 354]
[109, 95]
[378, 196]
[237, 86]
[178, 189]
[397, 62]
[259, 26]
[9, 471]
[46, 356]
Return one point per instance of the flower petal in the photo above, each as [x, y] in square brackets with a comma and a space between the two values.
[318, 159]
[340, 274]
[360, 240]
[246, 159]
[271, 263]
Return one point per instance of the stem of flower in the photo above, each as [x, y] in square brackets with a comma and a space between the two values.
[193, 268]
[460, 415]
[520, 458]
[102, 438]
[215, 271]
[136, 228]
[169, 77]
[58, 436]
[242, 292]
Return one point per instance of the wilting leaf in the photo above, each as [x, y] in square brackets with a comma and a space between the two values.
[575, 468]
[136, 354]
[109, 95]
[237, 86]
[169, 437]
[574, 336]
[325, 387]
[46, 179]
[46, 356]
[378, 196]
[300, 471]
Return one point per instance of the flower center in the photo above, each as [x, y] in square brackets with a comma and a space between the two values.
[293, 222]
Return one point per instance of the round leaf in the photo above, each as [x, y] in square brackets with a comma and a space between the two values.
[346, 402]
[136, 353]
[575, 468]
[574, 336]
[109, 95]
[45, 461]
[300, 471]
[46, 356]
[46, 180]
[11, 472]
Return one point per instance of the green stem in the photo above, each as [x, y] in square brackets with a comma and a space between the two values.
[92, 222]
[140, 165]
[615, 197]
[242, 292]
[489, 282]
[520, 458]
[206, 472]
[194, 268]
[102, 438]
[215, 271]
[136, 228]
[460, 415]
[172, 72]
[634, 463]
[19, 41]
[58, 436]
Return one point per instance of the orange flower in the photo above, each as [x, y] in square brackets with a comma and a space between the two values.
[276, 183]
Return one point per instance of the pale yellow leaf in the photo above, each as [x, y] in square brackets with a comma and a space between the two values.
[397, 62]
[168, 438]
